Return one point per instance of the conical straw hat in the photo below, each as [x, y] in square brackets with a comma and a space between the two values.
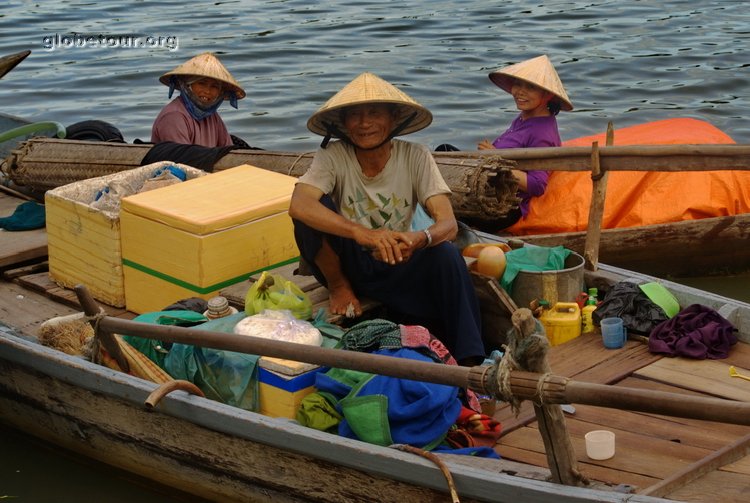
[205, 65]
[369, 88]
[538, 71]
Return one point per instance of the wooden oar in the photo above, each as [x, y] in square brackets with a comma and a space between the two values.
[524, 385]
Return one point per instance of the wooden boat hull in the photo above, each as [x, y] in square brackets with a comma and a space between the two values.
[221, 453]
[7, 63]
[709, 246]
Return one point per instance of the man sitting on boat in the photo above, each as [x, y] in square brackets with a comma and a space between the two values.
[353, 211]
[192, 118]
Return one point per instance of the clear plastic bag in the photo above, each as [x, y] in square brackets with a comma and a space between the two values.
[273, 291]
[279, 326]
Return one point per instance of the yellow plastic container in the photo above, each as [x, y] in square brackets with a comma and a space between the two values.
[562, 322]
[280, 393]
[195, 238]
[587, 319]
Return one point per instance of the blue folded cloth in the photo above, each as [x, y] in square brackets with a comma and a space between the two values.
[27, 216]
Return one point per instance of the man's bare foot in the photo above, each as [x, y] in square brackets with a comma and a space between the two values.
[343, 301]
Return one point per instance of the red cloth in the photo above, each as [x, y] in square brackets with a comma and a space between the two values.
[474, 430]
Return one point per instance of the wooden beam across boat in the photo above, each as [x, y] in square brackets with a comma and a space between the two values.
[674, 158]
[95, 158]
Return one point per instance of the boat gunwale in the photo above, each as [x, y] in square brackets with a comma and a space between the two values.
[471, 482]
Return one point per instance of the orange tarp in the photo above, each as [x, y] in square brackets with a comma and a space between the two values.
[641, 198]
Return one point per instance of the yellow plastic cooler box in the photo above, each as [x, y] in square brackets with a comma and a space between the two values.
[84, 240]
[195, 238]
[282, 384]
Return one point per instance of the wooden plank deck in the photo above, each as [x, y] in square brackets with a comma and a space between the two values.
[19, 246]
[649, 447]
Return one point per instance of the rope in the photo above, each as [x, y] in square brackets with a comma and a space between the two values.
[96, 318]
[540, 388]
[432, 457]
[303, 154]
[93, 346]
[506, 365]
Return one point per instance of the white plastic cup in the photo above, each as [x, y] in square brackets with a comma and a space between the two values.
[600, 444]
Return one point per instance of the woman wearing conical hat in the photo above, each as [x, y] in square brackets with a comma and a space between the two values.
[539, 95]
[353, 211]
[192, 118]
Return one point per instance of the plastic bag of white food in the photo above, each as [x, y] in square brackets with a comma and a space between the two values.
[279, 325]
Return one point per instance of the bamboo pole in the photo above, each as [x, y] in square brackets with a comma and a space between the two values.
[683, 157]
[481, 187]
[479, 379]
[15, 193]
[377, 364]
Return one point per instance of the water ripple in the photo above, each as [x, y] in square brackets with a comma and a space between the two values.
[625, 61]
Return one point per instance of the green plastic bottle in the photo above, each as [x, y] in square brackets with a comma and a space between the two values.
[587, 319]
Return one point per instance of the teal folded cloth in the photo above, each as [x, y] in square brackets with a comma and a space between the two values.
[27, 216]
[532, 258]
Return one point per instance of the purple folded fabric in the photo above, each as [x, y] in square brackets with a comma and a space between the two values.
[696, 332]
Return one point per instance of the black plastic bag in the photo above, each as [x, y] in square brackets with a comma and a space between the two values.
[626, 300]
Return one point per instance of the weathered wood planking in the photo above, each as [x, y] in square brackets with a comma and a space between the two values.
[708, 376]
[41, 283]
[680, 430]
[26, 310]
[674, 444]
[17, 247]
[734, 488]
[671, 446]
[742, 466]
[585, 359]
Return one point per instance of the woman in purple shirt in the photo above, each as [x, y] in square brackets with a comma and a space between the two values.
[539, 95]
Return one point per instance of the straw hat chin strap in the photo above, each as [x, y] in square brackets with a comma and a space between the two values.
[332, 129]
[174, 83]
